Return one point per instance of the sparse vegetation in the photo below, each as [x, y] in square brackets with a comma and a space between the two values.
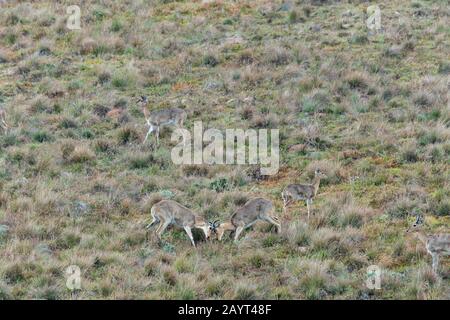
[370, 110]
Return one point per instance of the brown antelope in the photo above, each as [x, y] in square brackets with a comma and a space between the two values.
[307, 192]
[436, 245]
[3, 124]
[246, 216]
[169, 212]
[159, 118]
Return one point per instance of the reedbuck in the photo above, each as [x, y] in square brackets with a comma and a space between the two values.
[167, 212]
[306, 192]
[156, 119]
[246, 216]
[436, 245]
[3, 124]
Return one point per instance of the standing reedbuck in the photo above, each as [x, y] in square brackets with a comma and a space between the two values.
[167, 212]
[246, 216]
[436, 245]
[158, 118]
[3, 124]
[307, 192]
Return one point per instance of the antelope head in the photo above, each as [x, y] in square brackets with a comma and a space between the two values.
[142, 100]
[417, 224]
[219, 228]
[214, 225]
[319, 174]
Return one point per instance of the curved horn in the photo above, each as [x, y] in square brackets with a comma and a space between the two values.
[420, 218]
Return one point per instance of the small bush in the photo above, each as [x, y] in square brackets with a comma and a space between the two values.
[440, 208]
[409, 155]
[5, 292]
[444, 68]
[67, 150]
[14, 274]
[81, 154]
[151, 269]
[127, 135]
[41, 136]
[119, 81]
[278, 56]
[103, 76]
[247, 112]
[210, 60]
[357, 80]
[401, 208]
[67, 123]
[220, 185]
[424, 99]
[428, 138]
[116, 26]
[67, 241]
[170, 276]
[195, 170]
[245, 291]
[140, 161]
[88, 46]
[295, 17]
[359, 38]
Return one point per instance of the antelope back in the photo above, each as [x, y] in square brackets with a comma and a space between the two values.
[439, 243]
[167, 116]
[253, 210]
[300, 191]
[175, 212]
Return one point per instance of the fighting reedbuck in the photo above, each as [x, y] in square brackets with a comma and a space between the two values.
[158, 118]
[169, 212]
[3, 124]
[246, 216]
[306, 192]
[436, 245]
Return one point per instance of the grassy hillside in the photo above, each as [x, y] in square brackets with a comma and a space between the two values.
[372, 111]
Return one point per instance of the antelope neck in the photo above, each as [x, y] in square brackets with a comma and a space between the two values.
[199, 221]
[316, 183]
[422, 237]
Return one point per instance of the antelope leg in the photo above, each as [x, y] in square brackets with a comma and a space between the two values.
[189, 233]
[307, 205]
[157, 135]
[162, 228]
[150, 130]
[159, 228]
[154, 221]
[275, 223]
[238, 233]
[435, 263]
